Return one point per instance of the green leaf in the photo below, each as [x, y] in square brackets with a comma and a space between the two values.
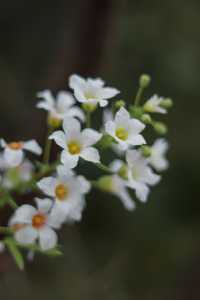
[16, 254]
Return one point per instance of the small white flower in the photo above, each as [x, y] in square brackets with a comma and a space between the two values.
[60, 107]
[91, 91]
[76, 143]
[158, 151]
[21, 173]
[140, 175]
[30, 224]
[125, 130]
[14, 152]
[153, 105]
[68, 191]
[2, 247]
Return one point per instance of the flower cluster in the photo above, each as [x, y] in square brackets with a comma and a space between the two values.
[58, 190]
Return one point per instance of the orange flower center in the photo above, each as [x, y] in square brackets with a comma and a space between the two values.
[38, 220]
[15, 145]
[61, 191]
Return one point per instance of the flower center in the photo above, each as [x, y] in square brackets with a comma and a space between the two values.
[121, 133]
[15, 145]
[61, 191]
[38, 220]
[74, 147]
[89, 95]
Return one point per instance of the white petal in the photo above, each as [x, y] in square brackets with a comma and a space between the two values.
[32, 146]
[103, 103]
[71, 126]
[47, 238]
[26, 235]
[84, 184]
[47, 185]
[69, 160]
[122, 117]
[13, 157]
[90, 154]
[126, 199]
[48, 103]
[152, 178]
[59, 137]
[90, 137]
[132, 156]
[76, 112]
[115, 165]
[110, 128]
[23, 215]
[64, 101]
[3, 143]
[136, 140]
[135, 126]
[142, 192]
[44, 205]
[76, 81]
[56, 218]
[107, 93]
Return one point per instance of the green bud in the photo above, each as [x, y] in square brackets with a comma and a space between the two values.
[146, 150]
[166, 103]
[160, 128]
[144, 81]
[146, 118]
[54, 122]
[123, 171]
[119, 104]
[105, 141]
[136, 111]
[89, 107]
[105, 183]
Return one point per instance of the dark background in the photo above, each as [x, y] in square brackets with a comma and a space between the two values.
[153, 253]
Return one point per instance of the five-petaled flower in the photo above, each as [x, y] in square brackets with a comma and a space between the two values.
[140, 175]
[125, 130]
[14, 151]
[31, 224]
[59, 107]
[91, 91]
[68, 192]
[76, 143]
[153, 105]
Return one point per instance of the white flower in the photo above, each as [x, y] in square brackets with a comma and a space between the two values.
[91, 91]
[158, 151]
[153, 105]
[68, 191]
[76, 143]
[14, 152]
[140, 175]
[21, 173]
[125, 130]
[2, 247]
[60, 107]
[30, 224]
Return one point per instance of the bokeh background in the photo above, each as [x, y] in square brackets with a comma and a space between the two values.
[153, 253]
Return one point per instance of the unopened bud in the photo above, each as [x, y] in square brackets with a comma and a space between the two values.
[146, 150]
[166, 103]
[144, 81]
[105, 183]
[123, 171]
[54, 122]
[119, 104]
[136, 111]
[160, 128]
[146, 118]
[89, 107]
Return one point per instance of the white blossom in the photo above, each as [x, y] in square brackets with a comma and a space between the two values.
[91, 91]
[13, 153]
[153, 105]
[157, 158]
[76, 143]
[125, 130]
[140, 175]
[68, 191]
[31, 224]
[61, 106]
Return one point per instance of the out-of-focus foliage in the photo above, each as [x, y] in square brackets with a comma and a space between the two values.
[153, 253]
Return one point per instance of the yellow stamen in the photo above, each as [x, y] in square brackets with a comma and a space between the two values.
[61, 191]
[74, 147]
[121, 133]
[38, 220]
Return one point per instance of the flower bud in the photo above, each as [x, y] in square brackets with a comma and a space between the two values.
[54, 122]
[105, 183]
[166, 103]
[146, 118]
[144, 81]
[89, 107]
[123, 171]
[146, 150]
[160, 128]
[105, 141]
[136, 111]
[119, 104]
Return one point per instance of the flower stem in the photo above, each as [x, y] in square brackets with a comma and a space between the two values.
[88, 119]
[48, 144]
[5, 230]
[138, 96]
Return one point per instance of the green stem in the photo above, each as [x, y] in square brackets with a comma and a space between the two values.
[6, 230]
[104, 168]
[138, 96]
[88, 119]
[48, 144]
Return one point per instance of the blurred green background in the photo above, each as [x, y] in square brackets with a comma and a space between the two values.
[154, 252]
